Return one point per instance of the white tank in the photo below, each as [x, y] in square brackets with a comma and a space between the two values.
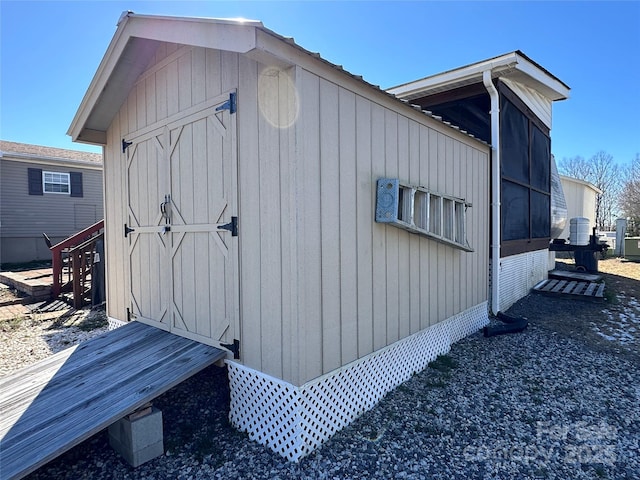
[579, 231]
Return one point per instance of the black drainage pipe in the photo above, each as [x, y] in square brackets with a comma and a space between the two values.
[511, 325]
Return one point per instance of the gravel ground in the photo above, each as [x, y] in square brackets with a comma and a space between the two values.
[35, 335]
[560, 400]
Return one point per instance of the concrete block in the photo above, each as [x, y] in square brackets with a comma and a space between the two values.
[138, 440]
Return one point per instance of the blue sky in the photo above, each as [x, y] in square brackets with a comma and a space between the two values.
[50, 50]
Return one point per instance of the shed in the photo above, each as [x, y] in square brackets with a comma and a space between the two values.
[45, 190]
[242, 176]
[581, 199]
[506, 101]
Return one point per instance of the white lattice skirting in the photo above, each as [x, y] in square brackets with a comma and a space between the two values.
[293, 421]
[115, 323]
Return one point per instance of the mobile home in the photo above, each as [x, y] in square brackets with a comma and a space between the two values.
[47, 190]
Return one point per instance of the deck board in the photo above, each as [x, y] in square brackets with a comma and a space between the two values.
[53, 405]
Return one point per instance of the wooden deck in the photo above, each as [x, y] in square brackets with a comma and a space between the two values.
[53, 405]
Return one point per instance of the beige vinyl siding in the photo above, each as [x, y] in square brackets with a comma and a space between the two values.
[58, 215]
[116, 245]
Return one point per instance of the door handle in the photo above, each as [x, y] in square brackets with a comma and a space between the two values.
[164, 210]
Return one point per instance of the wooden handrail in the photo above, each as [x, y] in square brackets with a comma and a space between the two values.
[64, 246]
[76, 238]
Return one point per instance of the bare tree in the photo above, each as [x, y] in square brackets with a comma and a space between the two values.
[575, 167]
[601, 171]
[606, 176]
[630, 196]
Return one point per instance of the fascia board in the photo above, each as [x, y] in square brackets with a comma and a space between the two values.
[108, 63]
[271, 49]
[51, 161]
[546, 84]
[581, 182]
[527, 73]
[208, 33]
[469, 74]
[232, 37]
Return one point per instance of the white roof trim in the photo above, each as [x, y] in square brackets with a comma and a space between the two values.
[581, 182]
[134, 44]
[236, 35]
[53, 161]
[513, 65]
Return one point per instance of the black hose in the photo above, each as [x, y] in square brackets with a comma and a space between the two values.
[511, 325]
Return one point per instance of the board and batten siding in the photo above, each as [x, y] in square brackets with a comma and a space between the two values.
[363, 285]
[321, 284]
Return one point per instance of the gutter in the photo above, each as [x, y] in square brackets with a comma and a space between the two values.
[495, 190]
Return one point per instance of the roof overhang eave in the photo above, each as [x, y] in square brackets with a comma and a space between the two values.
[129, 53]
[513, 65]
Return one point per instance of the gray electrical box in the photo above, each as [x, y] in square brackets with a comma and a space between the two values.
[387, 200]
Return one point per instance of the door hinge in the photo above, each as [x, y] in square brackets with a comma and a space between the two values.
[125, 145]
[233, 347]
[229, 104]
[128, 230]
[232, 226]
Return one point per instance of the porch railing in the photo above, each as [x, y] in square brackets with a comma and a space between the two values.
[78, 251]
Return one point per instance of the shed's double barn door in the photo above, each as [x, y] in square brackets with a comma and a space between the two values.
[181, 187]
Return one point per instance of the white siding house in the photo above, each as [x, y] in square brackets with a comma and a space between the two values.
[241, 180]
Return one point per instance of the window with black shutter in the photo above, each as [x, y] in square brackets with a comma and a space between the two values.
[76, 184]
[41, 182]
[35, 181]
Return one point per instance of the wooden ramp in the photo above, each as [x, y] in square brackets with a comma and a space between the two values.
[575, 289]
[53, 405]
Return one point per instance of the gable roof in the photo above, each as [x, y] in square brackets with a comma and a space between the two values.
[132, 47]
[512, 66]
[584, 183]
[135, 43]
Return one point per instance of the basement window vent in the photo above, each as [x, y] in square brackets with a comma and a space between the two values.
[421, 211]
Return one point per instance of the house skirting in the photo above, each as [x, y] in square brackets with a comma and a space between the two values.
[520, 273]
[25, 249]
[295, 420]
[114, 323]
